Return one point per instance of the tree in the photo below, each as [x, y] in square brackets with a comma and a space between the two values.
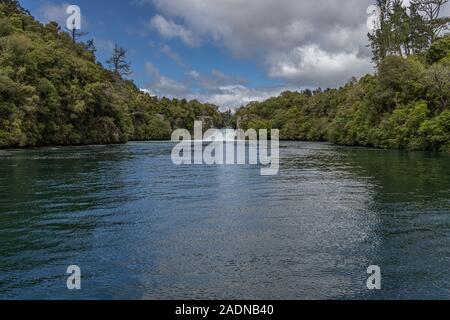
[380, 39]
[76, 34]
[53, 92]
[13, 6]
[90, 46]
[418, 30]
[437, 80]
[399, 21]
[431, 10]
[438, 50]
[405, 32]
[118, 63]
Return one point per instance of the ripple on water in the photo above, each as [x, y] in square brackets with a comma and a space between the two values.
[142, 227]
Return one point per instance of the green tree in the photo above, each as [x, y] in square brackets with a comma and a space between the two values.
[438, 50]
[431, 10]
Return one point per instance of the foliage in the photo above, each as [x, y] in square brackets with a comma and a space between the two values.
[54, 92]
[439, 50]
[406, 31]
[404, 106]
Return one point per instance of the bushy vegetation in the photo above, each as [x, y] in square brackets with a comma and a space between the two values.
[54, 92]
[405, 105]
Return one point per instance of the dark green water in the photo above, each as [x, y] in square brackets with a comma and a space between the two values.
[140, 227]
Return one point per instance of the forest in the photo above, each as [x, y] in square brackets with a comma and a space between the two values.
[404, 105]
[53, 91]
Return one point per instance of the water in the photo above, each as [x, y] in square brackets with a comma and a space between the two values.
[142, 228]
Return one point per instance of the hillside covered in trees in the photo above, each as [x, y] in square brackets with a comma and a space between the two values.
[54, 92]
[405, 105]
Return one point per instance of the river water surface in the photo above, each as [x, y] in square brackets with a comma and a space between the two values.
[140, 227]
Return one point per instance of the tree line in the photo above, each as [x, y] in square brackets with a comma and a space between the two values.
[53, 91]
[405, 105]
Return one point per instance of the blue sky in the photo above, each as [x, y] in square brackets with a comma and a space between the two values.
[227, 52]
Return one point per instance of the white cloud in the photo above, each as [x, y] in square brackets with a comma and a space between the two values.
[217, 88]
[49, 11]
[312, 66]
[269, 29]
[105, 45]
[304, 43]
[162, 85]
[234, 96]
[194, 74]
[172, 55]
[169, 29]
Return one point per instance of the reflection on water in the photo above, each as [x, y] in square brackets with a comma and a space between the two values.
[140, 227]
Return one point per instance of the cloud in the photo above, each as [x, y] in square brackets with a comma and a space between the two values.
[223, 90]
[172, 55]
[169, 29]
[284, 35]
[53, 12]
[163, 86]
[234, 96]
[213, 80]
[105, 45]
[49, 11]
[194, 74]
[312, 66]
[301, 43]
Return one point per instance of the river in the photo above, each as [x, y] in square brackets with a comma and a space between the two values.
[140, 227]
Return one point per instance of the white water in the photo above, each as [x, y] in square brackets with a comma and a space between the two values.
[221, 135]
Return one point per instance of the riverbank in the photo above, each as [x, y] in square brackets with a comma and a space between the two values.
[443, 151]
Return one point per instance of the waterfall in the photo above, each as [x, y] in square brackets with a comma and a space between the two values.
[221, 135]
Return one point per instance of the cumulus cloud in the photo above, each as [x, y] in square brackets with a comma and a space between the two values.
[223, 90]
[172, 55]
[49, 11]
[313, 66]
[163, 86]
[234, 96]
[168, 29]
[286, 35]
[300, 42]
[213, 80]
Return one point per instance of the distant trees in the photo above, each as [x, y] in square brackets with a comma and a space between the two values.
[409, 30]
[118, 63]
